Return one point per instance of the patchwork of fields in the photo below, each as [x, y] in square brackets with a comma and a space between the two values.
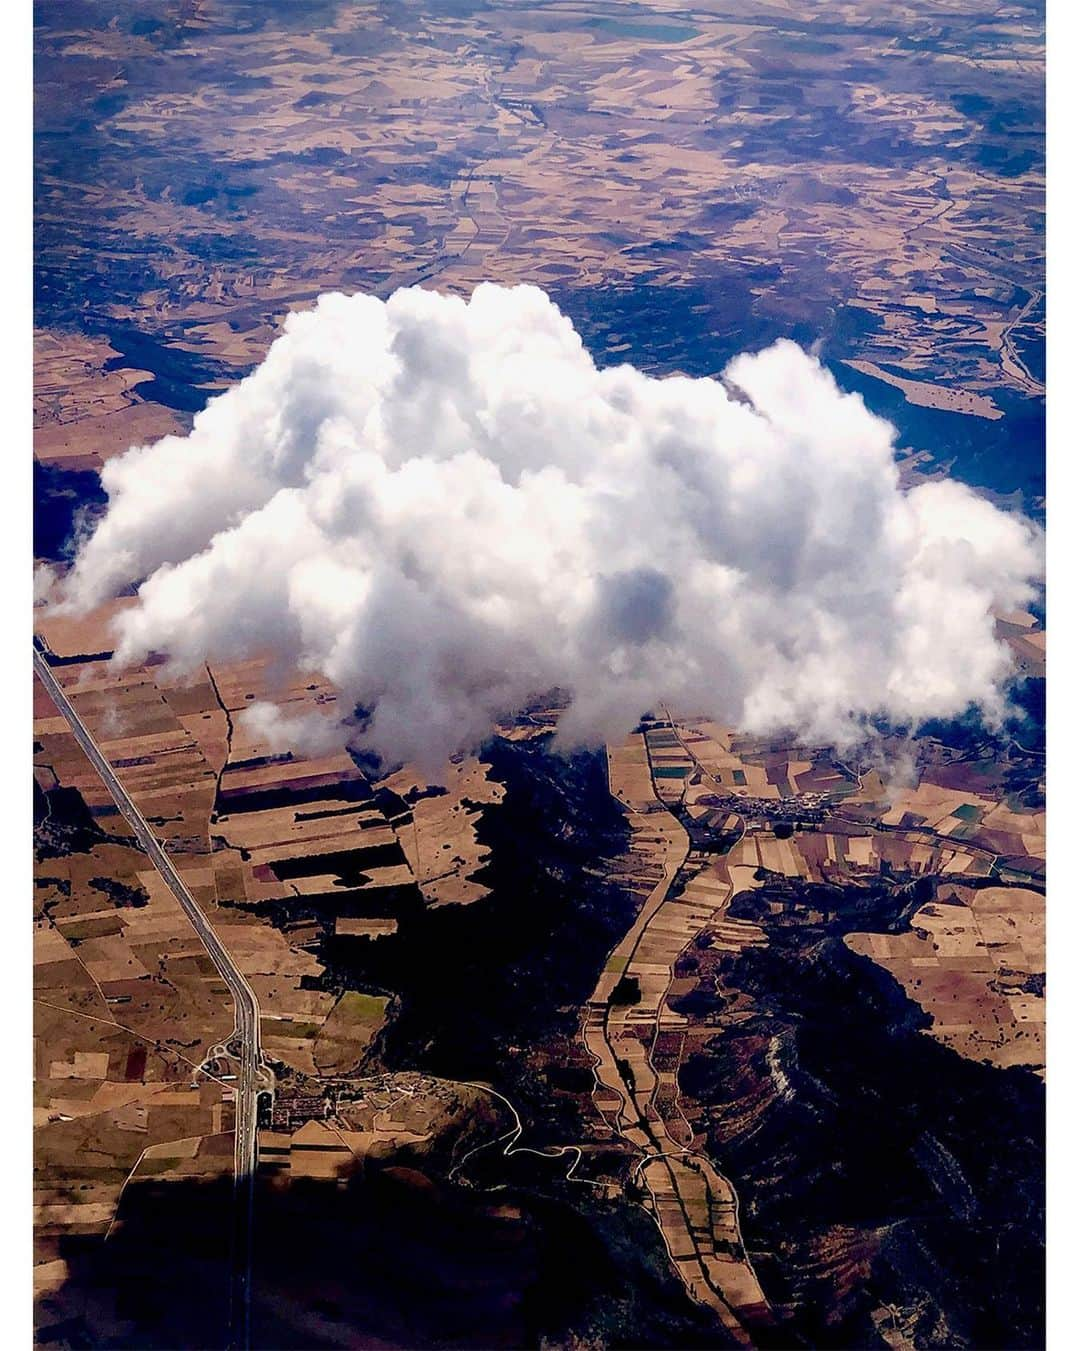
[814, 1040]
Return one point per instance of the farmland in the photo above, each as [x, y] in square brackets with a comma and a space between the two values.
[343, 898]
[775, 173]
[769, 1018]
[308, 863]
[975, 955]
[292, 857]
[910, 880]
[127, 1002]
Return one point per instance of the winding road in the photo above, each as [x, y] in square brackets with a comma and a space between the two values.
[694, 1206]
[245, 1038]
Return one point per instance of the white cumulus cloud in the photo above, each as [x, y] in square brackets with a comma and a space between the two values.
[446, 507]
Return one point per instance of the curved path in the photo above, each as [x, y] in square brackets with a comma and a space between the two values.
[509, 1141]
[1011, 361]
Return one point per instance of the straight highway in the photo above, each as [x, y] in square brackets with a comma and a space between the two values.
[252, 1073]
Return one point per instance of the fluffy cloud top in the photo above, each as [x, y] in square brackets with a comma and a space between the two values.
[446, 507]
